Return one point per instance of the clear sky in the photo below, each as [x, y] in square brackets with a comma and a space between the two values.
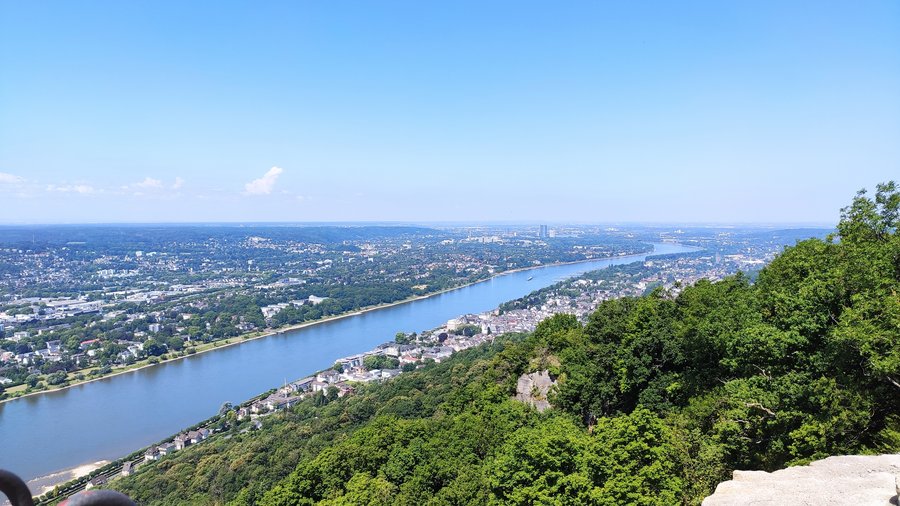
[601, 111]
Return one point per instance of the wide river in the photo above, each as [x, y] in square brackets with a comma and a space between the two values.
[109, 418]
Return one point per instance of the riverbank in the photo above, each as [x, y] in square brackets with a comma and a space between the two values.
[147, 411]
[42, 485]
[225, 343]
[269, 402]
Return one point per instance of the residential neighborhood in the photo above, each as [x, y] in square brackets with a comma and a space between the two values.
[77, 305]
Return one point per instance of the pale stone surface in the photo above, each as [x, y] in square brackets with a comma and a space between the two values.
[533, 388]
[850, 480]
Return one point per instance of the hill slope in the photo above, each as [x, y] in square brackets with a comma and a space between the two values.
[657, 399]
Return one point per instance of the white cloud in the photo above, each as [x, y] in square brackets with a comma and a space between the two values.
[265, 184]
[82, 189]
[149, 183]
[151, 187]
[6, 178]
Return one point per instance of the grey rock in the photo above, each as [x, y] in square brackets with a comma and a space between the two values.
[849, 480]
[533, 389]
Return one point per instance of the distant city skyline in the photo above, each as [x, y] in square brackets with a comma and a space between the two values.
[409, 112]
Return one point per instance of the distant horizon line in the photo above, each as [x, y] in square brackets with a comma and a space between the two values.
[400, 223]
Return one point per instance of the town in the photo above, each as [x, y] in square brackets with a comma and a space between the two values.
[716, 256]
[94, 314]
[80, 304]
[578, 296]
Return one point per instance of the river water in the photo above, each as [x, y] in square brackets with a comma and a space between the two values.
[109, 418]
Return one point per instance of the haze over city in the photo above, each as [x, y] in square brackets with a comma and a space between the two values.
[410, 111]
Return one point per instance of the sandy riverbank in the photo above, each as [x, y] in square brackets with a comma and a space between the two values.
[42, 485]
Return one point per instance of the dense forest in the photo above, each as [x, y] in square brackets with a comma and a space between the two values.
[656, 399]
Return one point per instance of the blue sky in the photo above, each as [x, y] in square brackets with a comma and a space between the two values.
[745, 111]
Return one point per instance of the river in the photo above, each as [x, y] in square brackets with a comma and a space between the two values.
[109, 418]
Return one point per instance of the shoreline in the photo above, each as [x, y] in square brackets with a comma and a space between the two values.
[93, 467]
[43, 484]
[244, 338]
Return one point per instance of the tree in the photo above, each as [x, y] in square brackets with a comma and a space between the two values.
[633, 461]
[56, 378]
[364, 489]
[542, 465]
[174, 343]
[154, 348]
[869, 332]
[467, 330]
[332, 393]
[372, 362]
[556, 325]
[866, 220]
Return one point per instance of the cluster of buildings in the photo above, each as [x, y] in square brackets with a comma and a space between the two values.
[228, 282]
[436, 345]
[34, 310]
[50, 353]
[179, 442]
[49, 309]
[273, 309]
[218, 288]
[361, 368]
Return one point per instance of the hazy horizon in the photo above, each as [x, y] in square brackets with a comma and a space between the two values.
[436, 224]
[584, 112]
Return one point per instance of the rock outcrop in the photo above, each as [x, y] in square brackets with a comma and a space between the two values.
[851, 480]
[533, 388]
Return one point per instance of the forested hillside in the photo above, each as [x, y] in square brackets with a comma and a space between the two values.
[657, 398]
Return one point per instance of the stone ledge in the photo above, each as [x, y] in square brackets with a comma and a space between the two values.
[849, 480]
